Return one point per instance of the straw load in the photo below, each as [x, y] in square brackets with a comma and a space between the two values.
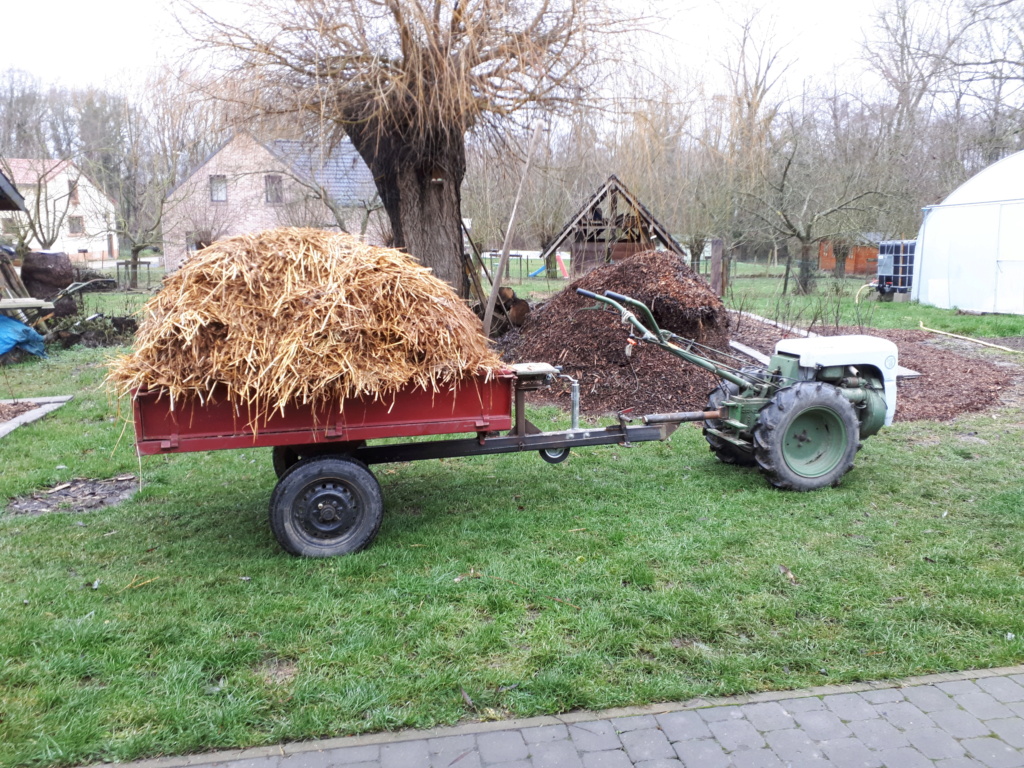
[301, 316]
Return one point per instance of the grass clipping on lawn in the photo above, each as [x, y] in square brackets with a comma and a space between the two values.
[301, 316]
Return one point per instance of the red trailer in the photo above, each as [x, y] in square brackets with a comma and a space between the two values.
[327, 501]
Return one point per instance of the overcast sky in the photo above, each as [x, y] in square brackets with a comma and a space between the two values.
[100, 42]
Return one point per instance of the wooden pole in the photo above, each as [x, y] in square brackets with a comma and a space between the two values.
[503, 264]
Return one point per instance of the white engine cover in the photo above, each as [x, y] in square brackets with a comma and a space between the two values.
[858, 351]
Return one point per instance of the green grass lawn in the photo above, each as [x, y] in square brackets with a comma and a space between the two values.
[174, 623]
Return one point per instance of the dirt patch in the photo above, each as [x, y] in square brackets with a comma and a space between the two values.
[10, 411]
[591, 345]
[78, 495]
[954, 379]
[278, 671]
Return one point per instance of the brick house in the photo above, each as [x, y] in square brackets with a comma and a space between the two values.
[247, 186]
[66, 207]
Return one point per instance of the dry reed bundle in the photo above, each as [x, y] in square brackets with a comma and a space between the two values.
[301, 316]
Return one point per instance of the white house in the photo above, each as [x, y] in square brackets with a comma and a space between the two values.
[247, 186]
[65, 211]
[970, 250]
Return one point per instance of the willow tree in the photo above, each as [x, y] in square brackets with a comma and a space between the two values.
[406, 80]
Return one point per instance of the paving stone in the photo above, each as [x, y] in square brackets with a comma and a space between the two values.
[665, 763]
[905, 757]
[983, 706]
[850, 706]
[373, 764]
[404, 754]
[904, 715]
[878, 734]
[1002, 688]
[1017, 707]
[849, 753]
[768, 716]
[756, 758]
[701, 753]
[451, 743]
[541, 733]
[636, 723]
[933, 743]
[714, 714]
[1010, 730]
[884, 696]
[271, 761]
[346, 756]
[736, 734]
[802, 705]
[958, 687]
[516, 764]
[959, 723]
[792, 743]
[458, 758]
[683, 725]
[1019, 679]
[554, 754]
[993, 752]
[928, 698]
[821, 725]
[502, 746]
[351, 755]
[648, 744]
[809, 761]
[959, 762]
[597, 736]
[614, 758]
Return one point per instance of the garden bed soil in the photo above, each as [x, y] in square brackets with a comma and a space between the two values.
[10, 411]
[78, 495]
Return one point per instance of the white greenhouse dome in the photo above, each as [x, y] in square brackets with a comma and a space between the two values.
[970, 250]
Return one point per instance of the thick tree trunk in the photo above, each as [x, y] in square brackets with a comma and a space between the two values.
[420, 188]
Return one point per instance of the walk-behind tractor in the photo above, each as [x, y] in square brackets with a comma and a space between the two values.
[802, 417]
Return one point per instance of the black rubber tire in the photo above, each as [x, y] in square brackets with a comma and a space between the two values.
[284, 457]
[326, 506]
[726, 452]
[554, 455]
[806, 437]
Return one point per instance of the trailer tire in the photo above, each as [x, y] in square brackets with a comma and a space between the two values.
[326, 506]
[726, 452]
[806, 437]
[554, 455]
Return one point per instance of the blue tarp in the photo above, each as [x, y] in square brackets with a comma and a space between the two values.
[14, 334]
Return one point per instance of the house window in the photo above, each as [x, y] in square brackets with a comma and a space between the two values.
[76, 225]
[72, 192]
[274, 188]
[218, 189]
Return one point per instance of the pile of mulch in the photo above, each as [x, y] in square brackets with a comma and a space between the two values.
[952, 381]
[10, 411]
[301, 316]
[590, 345]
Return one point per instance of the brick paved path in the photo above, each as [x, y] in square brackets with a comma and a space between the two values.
[950, 721]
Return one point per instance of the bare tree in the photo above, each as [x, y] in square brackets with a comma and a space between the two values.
[406, 80]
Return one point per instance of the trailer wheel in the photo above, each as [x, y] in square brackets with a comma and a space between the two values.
[326, 506]
[724, 451]
[554, 455]
[806, 437]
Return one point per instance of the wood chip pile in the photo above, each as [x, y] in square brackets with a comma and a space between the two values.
[590, 345]
[301, 316]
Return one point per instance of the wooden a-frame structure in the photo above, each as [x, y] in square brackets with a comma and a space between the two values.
[612, 225]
